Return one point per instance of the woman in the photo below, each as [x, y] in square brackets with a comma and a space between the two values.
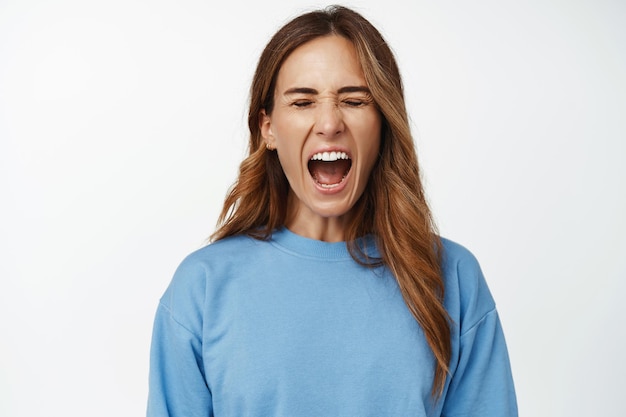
[326, 291]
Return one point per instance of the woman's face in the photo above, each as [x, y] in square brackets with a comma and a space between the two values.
[326, 129]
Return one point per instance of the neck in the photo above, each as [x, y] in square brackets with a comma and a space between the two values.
[326, 229]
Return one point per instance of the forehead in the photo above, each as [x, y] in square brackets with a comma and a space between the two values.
[324, 62]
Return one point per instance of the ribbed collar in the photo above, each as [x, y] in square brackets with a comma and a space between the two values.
[288, 241]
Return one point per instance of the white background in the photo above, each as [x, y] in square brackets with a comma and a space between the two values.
[122, 124]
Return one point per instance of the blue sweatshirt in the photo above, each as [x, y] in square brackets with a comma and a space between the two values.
[294, 327]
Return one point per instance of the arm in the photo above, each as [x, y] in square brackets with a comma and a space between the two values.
[177, 386]
[480, 380]
[481, 383]
[177, 383]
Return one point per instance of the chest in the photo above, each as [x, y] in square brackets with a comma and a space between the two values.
[328, 340]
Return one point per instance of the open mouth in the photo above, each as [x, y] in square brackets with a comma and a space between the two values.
[328, 169]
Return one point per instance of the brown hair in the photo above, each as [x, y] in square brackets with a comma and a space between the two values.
[393, 206]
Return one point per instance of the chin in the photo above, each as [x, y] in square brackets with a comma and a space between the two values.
[329, 211]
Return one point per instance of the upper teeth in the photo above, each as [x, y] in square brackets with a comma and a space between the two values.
[329, 156]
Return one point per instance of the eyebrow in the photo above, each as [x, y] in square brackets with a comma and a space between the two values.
[342, 90]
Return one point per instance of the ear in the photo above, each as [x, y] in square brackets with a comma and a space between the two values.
[265, 125]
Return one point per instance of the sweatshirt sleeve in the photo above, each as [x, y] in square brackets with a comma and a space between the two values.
[177, 384]
[481, 383]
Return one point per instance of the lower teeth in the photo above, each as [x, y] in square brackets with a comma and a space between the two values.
[329, 186]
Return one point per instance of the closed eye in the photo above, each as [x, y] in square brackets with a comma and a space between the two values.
[355, 103]
[302, 103]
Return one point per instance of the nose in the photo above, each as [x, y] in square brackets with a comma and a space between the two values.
[329, 121]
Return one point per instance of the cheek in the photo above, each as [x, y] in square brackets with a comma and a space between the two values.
[290, 159]
[372, 156]
[371, 144]
[290, 138]
[286, 163]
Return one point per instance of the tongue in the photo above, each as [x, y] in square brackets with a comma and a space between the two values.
[329, 172]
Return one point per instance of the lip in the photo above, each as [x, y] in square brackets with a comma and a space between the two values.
[344, 182]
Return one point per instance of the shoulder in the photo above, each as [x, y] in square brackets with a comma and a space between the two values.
[457, 257]
[467, 295]
[189, 283]
[220, 251]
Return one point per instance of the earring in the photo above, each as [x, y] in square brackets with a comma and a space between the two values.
[268, 147]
